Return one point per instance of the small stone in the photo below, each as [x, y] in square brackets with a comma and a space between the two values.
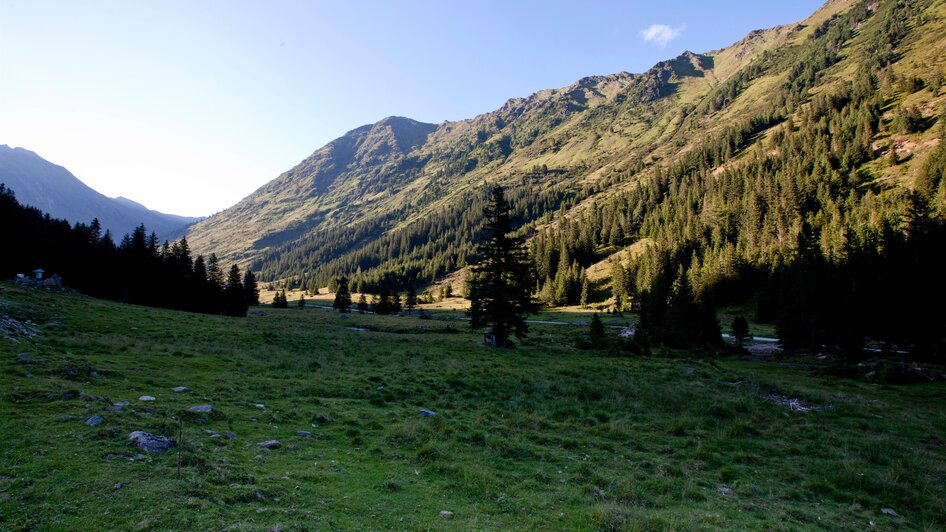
[446, 514]
[146, 398]
[688, 372]
[118, 486]
[179, 389]
[94, 421]
[201, 409]
[260, 405]
[94, 374]
[150, 443]
[380, 388]
[231, 436]
[115, 409]
[723, 490]
[121, 403]
[427, 413]
[210, 433]
[303, 433]
[889, 511]
[270, 444]
[322, 418]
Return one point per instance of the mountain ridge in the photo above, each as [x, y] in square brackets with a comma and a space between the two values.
[556, 149]
[55, 190]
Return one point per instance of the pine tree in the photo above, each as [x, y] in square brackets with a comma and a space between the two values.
[214, 273]
[410, 302]
[596, 330]
[501, 286]
[234, 297]
[279, 299]
[584, 293]
[250, 288]
[342, 301]
[301, 302]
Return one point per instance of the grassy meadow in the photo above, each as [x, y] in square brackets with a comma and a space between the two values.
[546, 436]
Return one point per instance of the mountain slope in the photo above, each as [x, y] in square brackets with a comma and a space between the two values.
[54, 190]
[576, 153]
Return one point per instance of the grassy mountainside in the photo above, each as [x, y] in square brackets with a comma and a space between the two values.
[412, 206]
[548, 437]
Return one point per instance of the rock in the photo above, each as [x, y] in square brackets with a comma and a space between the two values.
[201, 409]
[270, 444]
[427, 413]
[628, 332]
[889, 511]
[94, 421]
[146, 398]
[260, 405]
[118, 486]
[303, 433]
[179, 389]
[446, 514]
[688, 372]
[24, 358]
[231, 436]
[210, 433]
[723, 490]
[121, 403]
[150, 443]
[380, 388]
[344, 316]
[94, 374]
[322, 418]
[115, 409]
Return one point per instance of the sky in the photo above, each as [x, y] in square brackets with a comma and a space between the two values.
[189, 106]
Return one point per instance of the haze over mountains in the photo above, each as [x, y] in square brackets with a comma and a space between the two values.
[396, 195]
[54, 190]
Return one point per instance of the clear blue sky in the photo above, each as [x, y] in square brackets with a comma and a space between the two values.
[188, 106]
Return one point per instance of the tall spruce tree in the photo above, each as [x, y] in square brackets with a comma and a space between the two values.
[502, 280]
[342, 296]
[234, 298]
[250, 288]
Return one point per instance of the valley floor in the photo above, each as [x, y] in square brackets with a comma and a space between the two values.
[542, 437]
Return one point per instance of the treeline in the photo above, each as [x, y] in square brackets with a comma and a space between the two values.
[138, 269]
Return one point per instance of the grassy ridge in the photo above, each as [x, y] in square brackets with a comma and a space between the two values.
[546, 436]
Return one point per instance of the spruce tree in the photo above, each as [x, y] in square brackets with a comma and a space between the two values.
[234, 297]
[501, 285]
[596, 330]
[342, 301]
[410, 302]
[250, 288]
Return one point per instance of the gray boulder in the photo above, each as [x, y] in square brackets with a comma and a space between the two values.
[94, 421]
[201, 409]
[150, 443]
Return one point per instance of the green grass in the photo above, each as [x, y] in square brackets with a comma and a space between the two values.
[542, 437]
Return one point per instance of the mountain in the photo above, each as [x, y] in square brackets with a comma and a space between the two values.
[613, 162]
[54, 190]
